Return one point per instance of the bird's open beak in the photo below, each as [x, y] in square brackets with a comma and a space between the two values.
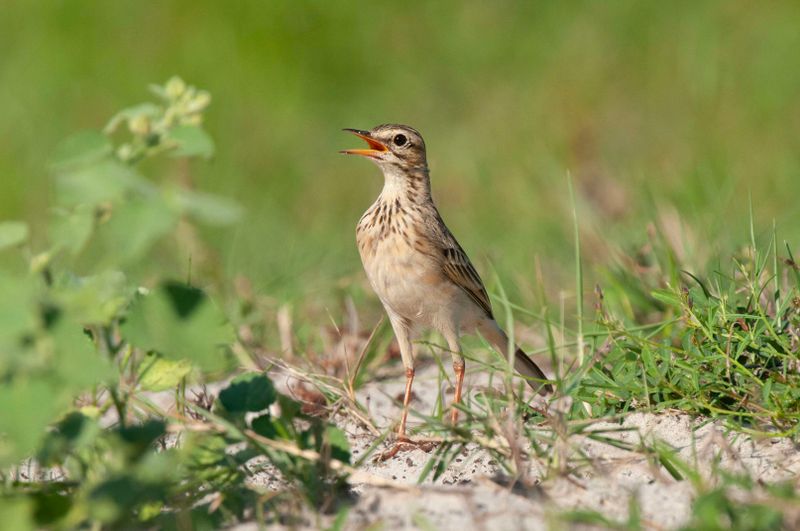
[375, 147]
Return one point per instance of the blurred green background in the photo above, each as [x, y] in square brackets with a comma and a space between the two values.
[667, 114]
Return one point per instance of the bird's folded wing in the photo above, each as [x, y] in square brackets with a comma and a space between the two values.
[459, 269]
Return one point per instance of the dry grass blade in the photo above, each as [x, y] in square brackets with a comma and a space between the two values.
[333, 386]
[359, 362]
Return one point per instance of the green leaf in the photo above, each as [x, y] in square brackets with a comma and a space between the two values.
[159, 374]
[150, 510]
[115, 498]
[18, 314]
[179, 321]
[248, 392]
[290, 408]
[77, 364]
[340, 448]
[134, 227]
[12, 233]
[138, 438]
[50, 507]
[208, 208]
[668, 297]
[191, 141]
[265, 426]
[204, 450]
[158, 465]
[104, 180]
[28, 407]
[82, 148]
[15, 513]
[70, 229]
[96, 299]
[73, 432]
[205, 457]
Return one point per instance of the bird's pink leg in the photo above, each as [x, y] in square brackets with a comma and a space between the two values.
[401, 431]
[459, 368]
[403, 442]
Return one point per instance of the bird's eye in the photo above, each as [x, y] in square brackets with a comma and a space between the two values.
[399, 140]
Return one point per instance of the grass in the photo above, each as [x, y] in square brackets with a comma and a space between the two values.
[659, 276]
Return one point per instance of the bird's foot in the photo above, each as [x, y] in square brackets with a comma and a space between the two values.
[405, 444]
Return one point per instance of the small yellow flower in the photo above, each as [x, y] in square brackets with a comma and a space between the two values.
[175, 88]
[139, 125]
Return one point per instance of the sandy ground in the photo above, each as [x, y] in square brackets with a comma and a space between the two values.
[474, 493]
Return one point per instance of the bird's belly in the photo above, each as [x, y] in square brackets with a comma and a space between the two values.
[408, 282]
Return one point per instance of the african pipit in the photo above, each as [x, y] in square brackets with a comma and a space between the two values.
[415, 265]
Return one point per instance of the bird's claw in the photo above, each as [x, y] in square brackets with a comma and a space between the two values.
[404, 444]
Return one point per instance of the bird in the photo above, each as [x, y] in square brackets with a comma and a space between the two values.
[417, 268]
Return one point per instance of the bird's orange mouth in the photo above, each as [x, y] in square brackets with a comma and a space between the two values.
[375, 147]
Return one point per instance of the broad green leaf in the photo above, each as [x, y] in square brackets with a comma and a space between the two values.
[51, 506]
[290, 408]
[208, 208]
[159, 374]
[18, 314]
[70, 229]
[12, 233]
[95, 299]
[340, 448]
[134, 227]
[101, 181]
[206, 458]
[116, 498]
[82, 148]
[191, 141]
[150, 510]
[266, 426]
[138, 438]
[157, 466]
[28, 406]
[73, 432]
[16, 513]
[277, 427]
[77, 364]
[179, 321]
[248, 393]
[203, 449]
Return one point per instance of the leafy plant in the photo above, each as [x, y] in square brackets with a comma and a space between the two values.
[84, 346]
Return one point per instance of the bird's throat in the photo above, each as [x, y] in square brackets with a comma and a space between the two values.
[412, 185]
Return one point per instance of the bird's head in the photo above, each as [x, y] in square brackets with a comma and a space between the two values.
[392, 146]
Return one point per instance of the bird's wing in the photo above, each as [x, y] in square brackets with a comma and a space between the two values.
[459, 269]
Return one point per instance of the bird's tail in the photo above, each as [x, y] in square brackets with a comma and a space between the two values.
[523, 364]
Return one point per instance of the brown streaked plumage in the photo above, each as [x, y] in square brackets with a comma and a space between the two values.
[421, 274]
